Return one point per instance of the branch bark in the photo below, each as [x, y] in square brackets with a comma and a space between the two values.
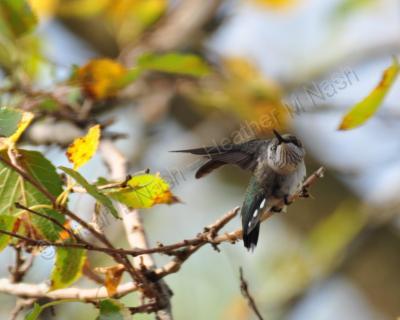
[134, 227]
[41, 290]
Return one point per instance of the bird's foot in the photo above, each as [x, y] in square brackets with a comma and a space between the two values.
[304, 193]
[276, 209]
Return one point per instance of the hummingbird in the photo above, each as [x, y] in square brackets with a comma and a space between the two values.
[277, 167]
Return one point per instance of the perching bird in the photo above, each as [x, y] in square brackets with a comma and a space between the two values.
[278, 171]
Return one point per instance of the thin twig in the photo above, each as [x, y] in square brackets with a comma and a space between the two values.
[21, 266]
[244, 288]
[20, 305]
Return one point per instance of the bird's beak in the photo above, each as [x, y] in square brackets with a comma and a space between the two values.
[278, 136]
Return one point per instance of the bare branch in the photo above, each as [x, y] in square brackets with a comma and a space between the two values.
[42, 291]
[244, 288]
[20, 305]
[21, 266]
[134, 228]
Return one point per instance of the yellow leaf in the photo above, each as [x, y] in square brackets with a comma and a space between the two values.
[113, 277]
[24, 122]
[82, 149]
[365, 109]
[100, 78]
[144, 191]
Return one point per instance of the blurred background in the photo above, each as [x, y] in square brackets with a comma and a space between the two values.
[295, 65]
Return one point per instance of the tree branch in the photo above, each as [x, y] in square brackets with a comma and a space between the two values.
[134, 228]
[244, 288]
[42, 291]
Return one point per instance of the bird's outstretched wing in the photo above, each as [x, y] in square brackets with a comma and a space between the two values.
[244, 155]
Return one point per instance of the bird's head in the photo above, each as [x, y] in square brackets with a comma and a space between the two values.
[285, 153]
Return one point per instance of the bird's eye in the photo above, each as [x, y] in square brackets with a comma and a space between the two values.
[273, 148]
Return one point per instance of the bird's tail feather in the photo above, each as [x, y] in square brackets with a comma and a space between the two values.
[250, 239]
[251, 211]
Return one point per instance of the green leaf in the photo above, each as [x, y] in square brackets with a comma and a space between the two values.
[9, 120]
[38, 309]
[68, 267]
[186, 64]
[365, 109]
[111, 309]
[144, 191]
[42, 170]
[92, 190]
[6, 223]
[34, 313]
[129, 77]
[13, 188]
[16, 18]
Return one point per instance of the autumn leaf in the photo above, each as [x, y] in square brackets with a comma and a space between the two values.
[22, 125]
[99, 78]
[82, 149]
[13, 123]
[113, 277]
[144, 191]
[64, 234]
[68, 267]
[365, 109]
